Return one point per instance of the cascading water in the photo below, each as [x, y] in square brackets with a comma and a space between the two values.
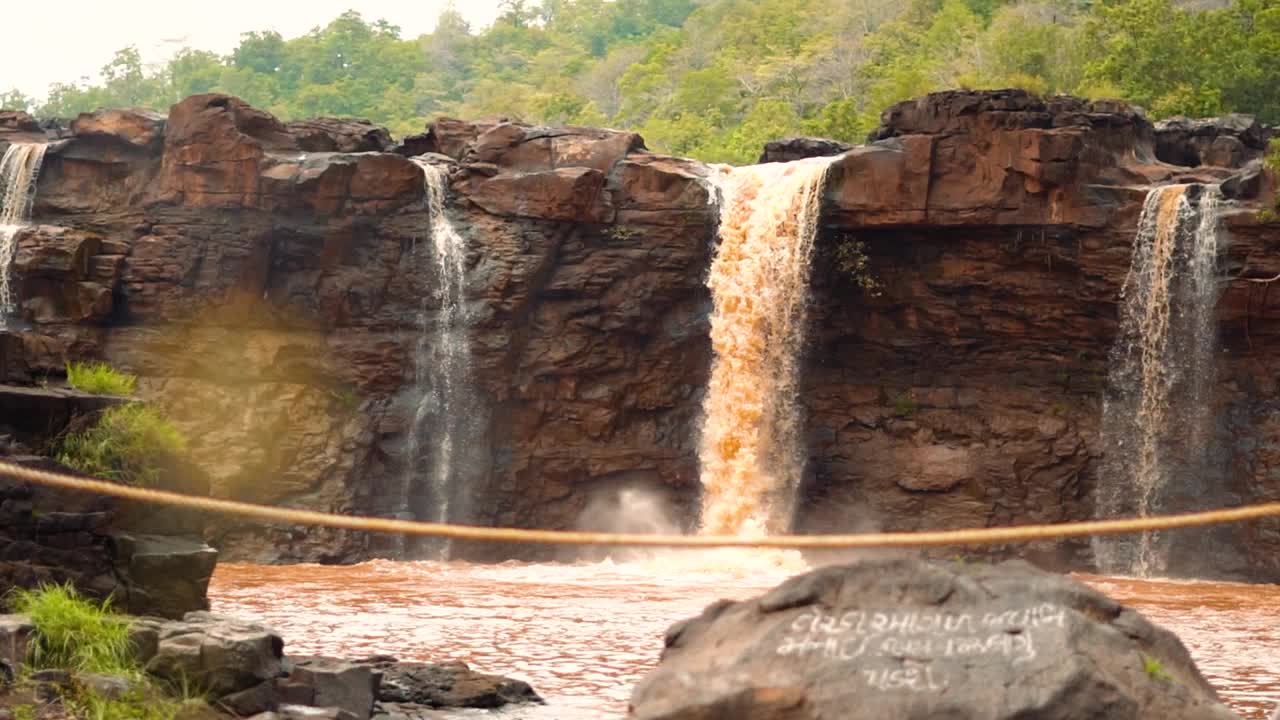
[444, 417]
[1156, 415]
[751, 459]
[19, 169]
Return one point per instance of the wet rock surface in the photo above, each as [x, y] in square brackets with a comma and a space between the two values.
[909, 639]
[444, 685]
[265, 279]
[1228, 141]
[801, 147]
[104, 547]
[245, 670]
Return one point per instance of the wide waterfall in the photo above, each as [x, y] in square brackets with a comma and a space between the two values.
[19, 169]
[1156, 414]
[751, 455]
[442, 432]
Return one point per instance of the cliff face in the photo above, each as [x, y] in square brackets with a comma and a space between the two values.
[266, 279]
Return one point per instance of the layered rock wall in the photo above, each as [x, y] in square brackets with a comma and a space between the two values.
[264, 279]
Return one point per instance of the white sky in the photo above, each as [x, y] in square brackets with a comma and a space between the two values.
[41, 49]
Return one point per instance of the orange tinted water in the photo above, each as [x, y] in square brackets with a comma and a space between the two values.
[583, 634]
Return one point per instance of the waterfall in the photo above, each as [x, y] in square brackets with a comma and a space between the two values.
[19, 169]
[751, 456]
[1157, 410]
[444, 416]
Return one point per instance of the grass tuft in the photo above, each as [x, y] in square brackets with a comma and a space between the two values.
[73, 633]
[904, 405]
[129, 443]
[136, 705]
[1154, 669]
[100, 379]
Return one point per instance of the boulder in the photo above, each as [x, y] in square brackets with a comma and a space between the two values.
[799, 148]
[263, 697]
[164, 575]
[1247, 183]
[133, 126]
[1229, 141]
[450, 684]
[327, 183]
[17, 121]
[998, 158]
[658, 190]
[221, 655]
[328, 134]
[144, 637]
[446, 136]
[337, 683]
[109, 687]
[525, 148]
[60, 277]
[214, 147]
[904, 638]
[572, 193]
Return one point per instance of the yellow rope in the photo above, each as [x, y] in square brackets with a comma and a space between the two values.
[970, 536]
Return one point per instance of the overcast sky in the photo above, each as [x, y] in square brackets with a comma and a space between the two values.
[42, 48]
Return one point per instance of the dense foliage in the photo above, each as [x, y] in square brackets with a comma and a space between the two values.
[100, 379]
[716, 78]
[73, 633]
[131, 443]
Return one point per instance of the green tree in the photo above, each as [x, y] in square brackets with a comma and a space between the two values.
[15, 99]
[716, 78]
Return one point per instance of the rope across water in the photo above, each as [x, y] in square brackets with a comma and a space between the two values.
[933, 538]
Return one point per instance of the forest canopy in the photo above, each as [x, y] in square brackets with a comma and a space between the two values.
[715, 79]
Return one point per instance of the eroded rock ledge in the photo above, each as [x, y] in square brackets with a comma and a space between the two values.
[263, 279]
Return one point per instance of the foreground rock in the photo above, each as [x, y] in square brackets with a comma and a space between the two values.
[902, 639]
[242, 670]
[451, 684]
[149, 560]
[243, 667]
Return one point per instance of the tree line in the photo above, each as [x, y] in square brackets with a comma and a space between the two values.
[715, 79]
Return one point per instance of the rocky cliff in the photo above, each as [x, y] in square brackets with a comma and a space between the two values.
[265, 280]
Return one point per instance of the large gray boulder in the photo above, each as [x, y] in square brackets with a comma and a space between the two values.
[164, 575]
[219, 655]
[337, 683]
[907, 639]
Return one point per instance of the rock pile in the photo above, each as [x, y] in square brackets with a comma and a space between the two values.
[242, 669]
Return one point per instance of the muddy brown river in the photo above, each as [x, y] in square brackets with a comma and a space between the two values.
[583, 634]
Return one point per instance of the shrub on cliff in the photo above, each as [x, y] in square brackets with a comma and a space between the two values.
[1272, 161]
[100, 379]
[128, 443]
[73, 633]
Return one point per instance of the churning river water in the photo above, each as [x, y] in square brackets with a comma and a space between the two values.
[582, 635]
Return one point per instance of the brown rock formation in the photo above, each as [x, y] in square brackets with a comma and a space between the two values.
[265, 280]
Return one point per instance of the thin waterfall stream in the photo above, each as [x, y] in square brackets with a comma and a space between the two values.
[19, 170]
[751, 455]
[1157, 411]
[443, 419]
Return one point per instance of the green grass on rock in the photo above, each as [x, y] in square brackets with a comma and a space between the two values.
[74, 633]
[129, 443]
[100, 379]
